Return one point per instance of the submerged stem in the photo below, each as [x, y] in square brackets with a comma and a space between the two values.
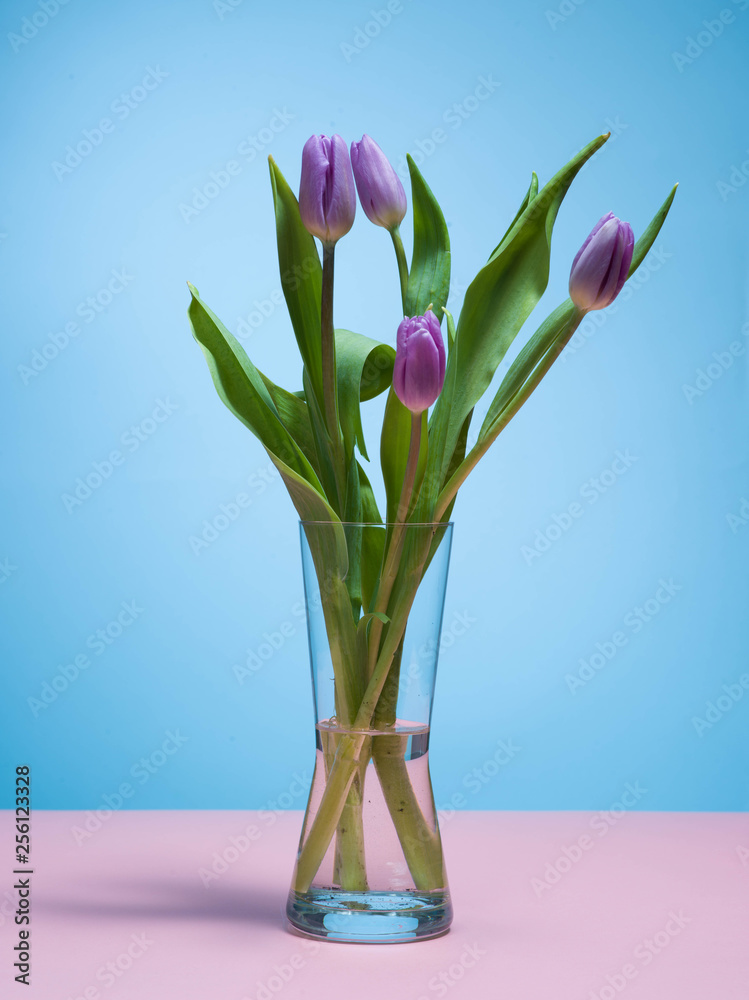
[329, 377]
[352, 750]
[419, 839]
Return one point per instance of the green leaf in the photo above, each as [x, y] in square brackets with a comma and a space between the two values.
[373, 541]
[362, 632]
[460, 450]
[242, 389]
[429, 277]
[365, 619]
[458, 455]
[364, 370]
[294, 415]
[450, 329]
[497, 303]
[352, 517]
[322, 442]
[301, 275]
[529, 196]
[645, 242]
[327, 541]
[394, 445]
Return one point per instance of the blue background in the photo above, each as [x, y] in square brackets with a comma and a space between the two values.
[557, 80]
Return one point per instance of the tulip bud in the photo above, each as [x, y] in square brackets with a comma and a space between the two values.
[327, 197]
[419, 371]
[602, 264]
[380, 191]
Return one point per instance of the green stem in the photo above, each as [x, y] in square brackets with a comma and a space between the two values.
[352, 752]
[450, 489]
[330, 810]
[329, 378]
[350, 853]
[349, 867]
[419, 839]
[396, 541]
[400, 255]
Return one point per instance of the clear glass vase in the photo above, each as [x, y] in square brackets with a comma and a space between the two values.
[370, 866]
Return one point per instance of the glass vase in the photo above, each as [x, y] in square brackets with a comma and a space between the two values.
[370, 866]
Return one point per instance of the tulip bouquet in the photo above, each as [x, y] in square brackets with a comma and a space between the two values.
[314, 436]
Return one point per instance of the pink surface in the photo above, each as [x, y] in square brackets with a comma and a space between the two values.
[658, 903]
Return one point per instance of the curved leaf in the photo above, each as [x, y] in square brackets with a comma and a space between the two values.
[364, 370]
[294, 415]
[301, 275]
[352, 518]
[429, 277]
[372, 543]
[529, 196]
[241, 387]
[321, 438]
[327, 542]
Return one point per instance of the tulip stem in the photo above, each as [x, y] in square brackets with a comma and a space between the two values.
[390, 569]
[351, 751]
[414, 447]
[400, 255]
[329, 379]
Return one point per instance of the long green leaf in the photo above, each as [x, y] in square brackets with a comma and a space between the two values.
[242, 389]
[352, 517]
[322, 443]
[373, 541]
[294, 415]
[301, 275]
[429, 277]
[327, 541]
[529, 196]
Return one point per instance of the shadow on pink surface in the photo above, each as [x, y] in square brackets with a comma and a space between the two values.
[164, 899]
[548, 905]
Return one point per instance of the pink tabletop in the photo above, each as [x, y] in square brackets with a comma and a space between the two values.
[549, 906]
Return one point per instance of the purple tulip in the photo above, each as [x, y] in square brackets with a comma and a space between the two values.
[380, 191]
[602, 264]
[327, 197]
[419, 372]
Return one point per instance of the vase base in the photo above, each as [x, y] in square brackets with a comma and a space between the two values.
[370, 917]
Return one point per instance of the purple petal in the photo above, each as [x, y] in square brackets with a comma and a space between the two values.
[589, 273]
[380, 191]
[601, 222]
[327, 196]
[419, 370]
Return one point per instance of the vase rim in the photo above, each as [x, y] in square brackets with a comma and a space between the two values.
[383, 524]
